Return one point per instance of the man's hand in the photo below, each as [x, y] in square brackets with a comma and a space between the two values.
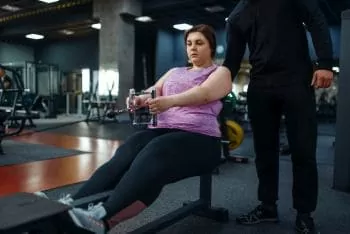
[322, 79]
[160, 104]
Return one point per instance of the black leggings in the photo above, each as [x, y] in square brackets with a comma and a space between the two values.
[149, 160]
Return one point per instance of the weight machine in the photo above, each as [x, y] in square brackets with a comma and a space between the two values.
[13, 113]
[95, 103]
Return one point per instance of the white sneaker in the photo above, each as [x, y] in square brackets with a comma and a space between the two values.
[90, 219]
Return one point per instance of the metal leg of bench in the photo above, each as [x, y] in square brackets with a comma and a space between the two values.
[202, 207]
[207, 211]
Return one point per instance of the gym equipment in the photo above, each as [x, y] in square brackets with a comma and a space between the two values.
[232, 132]
[327, 107]
[11, 114]
[235, 134]
[141, 116]
[229, 104]
[110, 108]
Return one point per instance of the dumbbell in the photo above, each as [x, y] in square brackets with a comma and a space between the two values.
[142, 116]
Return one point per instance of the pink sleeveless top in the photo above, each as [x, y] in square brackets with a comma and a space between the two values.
[199, 119]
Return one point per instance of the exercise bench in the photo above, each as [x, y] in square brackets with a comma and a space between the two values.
[25, 212]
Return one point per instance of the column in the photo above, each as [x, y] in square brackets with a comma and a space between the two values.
[145, 55]
[342, 143]
[117, 42]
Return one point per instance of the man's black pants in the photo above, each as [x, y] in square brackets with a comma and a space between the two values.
[265, 107]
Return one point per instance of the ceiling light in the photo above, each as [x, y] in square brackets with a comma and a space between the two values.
[49, 1]
[226, 18]
[214, 9]
[10, 8]
[182, 26]
[96, 26]
[67, 32]
[34, 36]
[144, 19]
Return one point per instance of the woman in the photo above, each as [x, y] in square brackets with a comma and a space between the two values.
[185, 142]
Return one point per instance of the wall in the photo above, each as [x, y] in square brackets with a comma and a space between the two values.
[12, 53]
[70, 54]
[165, 52]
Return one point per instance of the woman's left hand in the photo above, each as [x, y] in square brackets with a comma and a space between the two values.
[159, 104]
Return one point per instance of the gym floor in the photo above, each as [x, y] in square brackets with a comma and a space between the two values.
[234, 187]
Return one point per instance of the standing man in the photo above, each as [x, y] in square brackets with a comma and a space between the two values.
[282, 82]
[6, 98]
[5, 79]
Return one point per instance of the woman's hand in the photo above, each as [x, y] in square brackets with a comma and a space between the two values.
[137, 102]
[159, 104]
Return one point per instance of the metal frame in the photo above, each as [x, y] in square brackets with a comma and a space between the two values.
[12, 111]
[19, 91]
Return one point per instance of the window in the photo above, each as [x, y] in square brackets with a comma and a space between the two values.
[108, 81]
[85, 80]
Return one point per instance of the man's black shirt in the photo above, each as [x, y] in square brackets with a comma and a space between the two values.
[274, 31]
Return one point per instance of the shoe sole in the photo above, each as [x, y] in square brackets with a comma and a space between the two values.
[75, 218]
[259, 221]
[80, 223]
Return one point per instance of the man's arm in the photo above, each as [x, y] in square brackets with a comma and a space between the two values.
[235, 41]
[316, 23]
[236, 46]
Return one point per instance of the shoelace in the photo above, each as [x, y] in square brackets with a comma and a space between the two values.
[91, 206]
[254, 215]
[305, 228]
[64, 196]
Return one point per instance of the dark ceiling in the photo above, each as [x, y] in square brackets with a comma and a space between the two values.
[73, 18]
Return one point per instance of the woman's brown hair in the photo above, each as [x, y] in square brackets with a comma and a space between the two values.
[208, 33]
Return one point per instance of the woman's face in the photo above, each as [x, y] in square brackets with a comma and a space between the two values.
[198, 48]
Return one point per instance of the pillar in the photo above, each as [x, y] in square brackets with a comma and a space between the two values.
[342, 146]
[117, 42]
[145, 55]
